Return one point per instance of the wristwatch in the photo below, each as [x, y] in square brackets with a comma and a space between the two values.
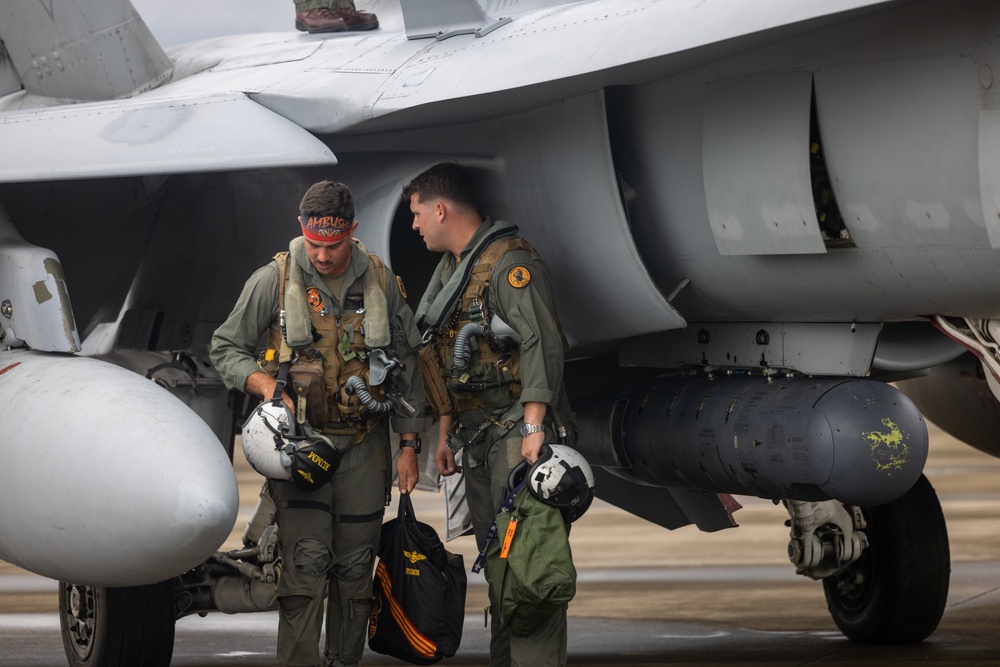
[527, 429]
[413, 444]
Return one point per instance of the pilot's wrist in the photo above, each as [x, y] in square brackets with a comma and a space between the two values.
[413, 444]
[530, 429]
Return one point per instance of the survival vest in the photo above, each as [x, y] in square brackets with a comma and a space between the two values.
[488, 383]
[320, 372]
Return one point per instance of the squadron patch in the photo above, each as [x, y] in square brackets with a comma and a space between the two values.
[315, 299]
[402, 290]
[518, 276]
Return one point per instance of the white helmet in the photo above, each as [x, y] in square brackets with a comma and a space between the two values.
[264, 439]
[276, 450]
[561, 477]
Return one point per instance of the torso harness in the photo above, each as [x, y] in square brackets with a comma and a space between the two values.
[478, 368]
[339, 383]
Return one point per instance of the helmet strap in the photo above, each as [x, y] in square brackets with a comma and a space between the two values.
[280, 381]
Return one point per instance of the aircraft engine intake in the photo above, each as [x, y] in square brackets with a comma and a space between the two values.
[858, 441]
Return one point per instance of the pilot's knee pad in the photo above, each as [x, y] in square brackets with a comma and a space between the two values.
[354, 569]
[310, 557]
[306, 573]
[293, 602]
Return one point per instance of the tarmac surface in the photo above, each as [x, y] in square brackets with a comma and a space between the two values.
[646, 596]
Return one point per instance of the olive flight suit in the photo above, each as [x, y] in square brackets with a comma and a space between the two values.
[328, 537]
[520, 293]
[306, 5]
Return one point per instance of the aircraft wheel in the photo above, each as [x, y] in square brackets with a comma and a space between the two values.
[117, 627]
[896, 591]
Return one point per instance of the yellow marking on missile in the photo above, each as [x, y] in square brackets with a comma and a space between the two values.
[890, 450]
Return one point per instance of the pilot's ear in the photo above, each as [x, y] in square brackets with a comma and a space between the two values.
[439, 209]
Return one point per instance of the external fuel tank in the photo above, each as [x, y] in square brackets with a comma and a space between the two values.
[858, 441]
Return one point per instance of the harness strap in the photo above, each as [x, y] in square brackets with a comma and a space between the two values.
[337, 518]
[358, 518]
[308, 505]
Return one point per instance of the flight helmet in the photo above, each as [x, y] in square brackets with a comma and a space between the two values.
[561, 477]
[279, 448]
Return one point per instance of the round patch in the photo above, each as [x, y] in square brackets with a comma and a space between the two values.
[518, 276]
[402, 290]
[315, 299]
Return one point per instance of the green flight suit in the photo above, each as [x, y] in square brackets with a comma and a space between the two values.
[306, 5]
[487, 463]
[329, 537]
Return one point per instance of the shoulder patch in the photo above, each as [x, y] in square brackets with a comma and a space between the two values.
[315, 299]
[518, 276]
[402, 290]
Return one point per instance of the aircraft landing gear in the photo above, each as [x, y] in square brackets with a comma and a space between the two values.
[117, 627]
[896, 591]
[885, 569]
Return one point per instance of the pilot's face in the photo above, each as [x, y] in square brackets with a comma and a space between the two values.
[330, 259]
[427, 222]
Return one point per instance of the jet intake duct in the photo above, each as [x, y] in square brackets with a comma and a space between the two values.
[861, 442]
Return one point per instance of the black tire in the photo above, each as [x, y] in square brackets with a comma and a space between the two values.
[897, 590]
[117, 627]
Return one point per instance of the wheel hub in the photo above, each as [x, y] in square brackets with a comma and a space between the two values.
[81, 612]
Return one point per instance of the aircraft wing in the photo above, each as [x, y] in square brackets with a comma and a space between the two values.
[349, 84]
[158, 136]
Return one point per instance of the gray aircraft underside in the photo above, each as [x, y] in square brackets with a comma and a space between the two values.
[756, 216]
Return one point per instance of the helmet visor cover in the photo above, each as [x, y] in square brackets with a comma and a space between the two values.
[313, 464]
[561, 477]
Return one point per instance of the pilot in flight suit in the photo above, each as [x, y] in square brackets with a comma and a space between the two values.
[340, 305]
[497, 411]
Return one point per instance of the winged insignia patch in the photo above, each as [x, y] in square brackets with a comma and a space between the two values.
[414, 556]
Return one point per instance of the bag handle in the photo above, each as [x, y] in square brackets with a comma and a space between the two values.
[405, 512]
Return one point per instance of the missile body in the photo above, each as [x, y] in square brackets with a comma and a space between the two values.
[105, 477]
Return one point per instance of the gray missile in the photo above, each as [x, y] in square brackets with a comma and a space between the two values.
[108, 479]
[858, 441]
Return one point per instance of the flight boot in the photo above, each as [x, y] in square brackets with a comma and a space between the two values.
[320, 20]
[355, 19]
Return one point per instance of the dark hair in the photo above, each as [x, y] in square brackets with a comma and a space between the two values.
[445, 180]
[328, 198]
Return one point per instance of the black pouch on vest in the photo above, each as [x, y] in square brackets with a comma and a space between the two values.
[306, 376]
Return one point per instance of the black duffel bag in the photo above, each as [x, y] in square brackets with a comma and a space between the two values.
[419, 592]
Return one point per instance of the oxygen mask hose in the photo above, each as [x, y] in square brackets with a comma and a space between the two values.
[356, 385]
[463, 344]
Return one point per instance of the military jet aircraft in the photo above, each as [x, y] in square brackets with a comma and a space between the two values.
[757, 216]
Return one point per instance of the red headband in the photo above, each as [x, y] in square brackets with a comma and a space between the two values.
[324, 228]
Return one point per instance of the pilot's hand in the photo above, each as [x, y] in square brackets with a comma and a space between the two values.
[261, 384]
[407, 469]
[531, 445]
[445, 458]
